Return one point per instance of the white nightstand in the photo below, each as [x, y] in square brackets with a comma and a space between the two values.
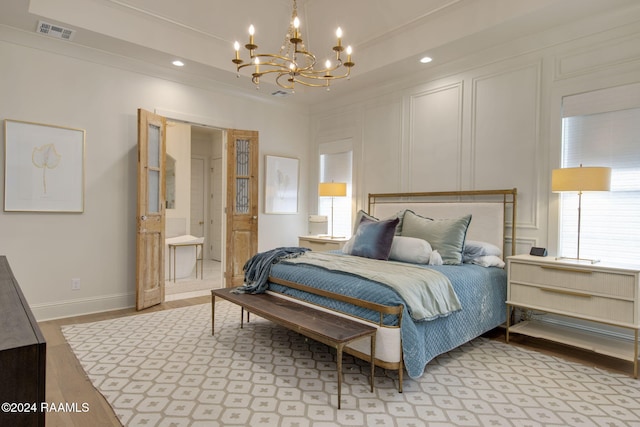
[321, 243]
[602, 292]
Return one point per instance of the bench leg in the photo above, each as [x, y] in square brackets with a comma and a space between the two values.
[213, 313]
[339, 360]
[241, 317]
[373, 358]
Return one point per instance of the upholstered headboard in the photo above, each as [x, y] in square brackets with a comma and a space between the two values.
[492, 211]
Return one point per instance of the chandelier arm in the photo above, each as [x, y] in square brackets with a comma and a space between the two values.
[310, 59]
[277, 65]
[318, 76]
[310, 84]
[290, 80]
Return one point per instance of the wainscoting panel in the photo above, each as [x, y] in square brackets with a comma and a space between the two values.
[593, 58]
[505, 135]
[381, 147]
[435, 139]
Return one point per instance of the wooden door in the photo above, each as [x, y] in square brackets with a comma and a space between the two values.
[242, 203]
[151, 210]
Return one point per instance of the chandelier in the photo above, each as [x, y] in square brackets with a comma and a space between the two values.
[294, 64]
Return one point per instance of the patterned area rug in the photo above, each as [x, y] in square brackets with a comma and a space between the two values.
[166, 369]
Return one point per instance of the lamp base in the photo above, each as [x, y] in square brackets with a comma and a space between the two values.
[590, 261]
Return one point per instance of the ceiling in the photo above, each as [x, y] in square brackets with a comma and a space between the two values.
[388, 36]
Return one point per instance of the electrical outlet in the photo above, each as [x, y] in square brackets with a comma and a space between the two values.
[75, 284]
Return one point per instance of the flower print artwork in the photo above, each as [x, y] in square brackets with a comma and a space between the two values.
[45, 157]
[44, 168]
[281, 185]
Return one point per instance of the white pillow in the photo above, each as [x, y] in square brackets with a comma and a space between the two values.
[410, 249]
[435, 258]
[488, 261]
[475, 249]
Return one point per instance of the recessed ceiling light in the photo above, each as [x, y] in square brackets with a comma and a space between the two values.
[425, 60]
[178, 63]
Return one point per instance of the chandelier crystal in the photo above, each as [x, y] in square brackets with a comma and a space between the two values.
[294, 64]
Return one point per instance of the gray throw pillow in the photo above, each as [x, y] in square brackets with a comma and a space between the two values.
[373, 239]
[445, 235]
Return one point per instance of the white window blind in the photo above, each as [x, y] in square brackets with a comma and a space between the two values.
[336, 161]
[602, 128]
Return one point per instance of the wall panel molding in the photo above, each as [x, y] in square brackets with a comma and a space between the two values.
[593, 58]
[434, 138]
[505, 135]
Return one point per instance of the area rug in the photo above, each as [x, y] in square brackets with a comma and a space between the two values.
[166, 369]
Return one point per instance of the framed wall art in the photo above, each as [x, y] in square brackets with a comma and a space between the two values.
[44, 167]
[281, 185]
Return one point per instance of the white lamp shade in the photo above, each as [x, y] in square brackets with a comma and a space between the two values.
[581, 179]
[332, 189]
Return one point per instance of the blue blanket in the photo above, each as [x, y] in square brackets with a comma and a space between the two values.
[258, 267]
[481, 290]
[428, 294]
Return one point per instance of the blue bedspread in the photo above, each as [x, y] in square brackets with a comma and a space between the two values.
[481, 291]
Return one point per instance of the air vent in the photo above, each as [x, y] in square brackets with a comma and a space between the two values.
[56, 31]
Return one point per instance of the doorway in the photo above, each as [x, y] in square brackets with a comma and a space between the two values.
[198, 209]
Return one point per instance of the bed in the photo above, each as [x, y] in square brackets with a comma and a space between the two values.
[409, 338]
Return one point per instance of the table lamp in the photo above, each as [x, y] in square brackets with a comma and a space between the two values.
[332, 189]
[579, 180]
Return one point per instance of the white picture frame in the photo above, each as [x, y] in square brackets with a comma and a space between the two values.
[281, 185]
[44, 168]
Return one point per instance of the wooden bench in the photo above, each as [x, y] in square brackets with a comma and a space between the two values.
[334, 331]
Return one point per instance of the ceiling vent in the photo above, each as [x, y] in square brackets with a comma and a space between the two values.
[56, 31]
[280, 93]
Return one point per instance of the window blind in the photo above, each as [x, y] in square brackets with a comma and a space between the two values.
[602, 128]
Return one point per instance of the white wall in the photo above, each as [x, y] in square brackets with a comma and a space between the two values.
[488, 121]
[62, 84]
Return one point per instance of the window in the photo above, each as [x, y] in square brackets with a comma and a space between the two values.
[336, 161]
[602, 128]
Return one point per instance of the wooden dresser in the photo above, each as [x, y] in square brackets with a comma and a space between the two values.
[22, 356]
[603, 293]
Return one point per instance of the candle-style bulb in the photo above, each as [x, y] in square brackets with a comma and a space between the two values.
[349, 50]
[236, 46]
[251, 44]
[327, 64]
[339, 32]
[296, 23]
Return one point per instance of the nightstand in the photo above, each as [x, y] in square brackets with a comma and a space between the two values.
[322, 243]
[602, 292]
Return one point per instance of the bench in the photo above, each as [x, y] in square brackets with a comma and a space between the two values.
[329, 329]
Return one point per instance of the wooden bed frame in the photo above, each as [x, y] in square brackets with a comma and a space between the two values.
[466, 199]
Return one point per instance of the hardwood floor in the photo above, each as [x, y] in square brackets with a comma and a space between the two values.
[68, 383]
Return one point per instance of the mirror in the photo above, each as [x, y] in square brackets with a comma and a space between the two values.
[170, 182]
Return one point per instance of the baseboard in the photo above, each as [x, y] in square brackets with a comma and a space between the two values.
[79, 307]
